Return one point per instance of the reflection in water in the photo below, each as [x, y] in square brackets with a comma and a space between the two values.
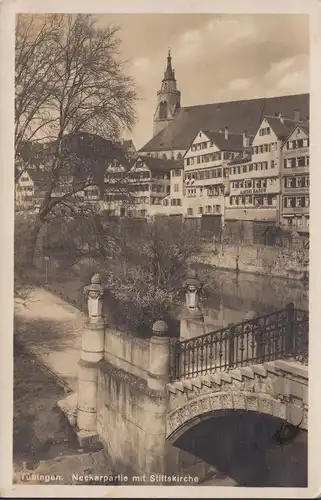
[233, 296]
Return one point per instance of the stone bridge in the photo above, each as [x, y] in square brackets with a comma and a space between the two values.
[139, 397]
[278, 388]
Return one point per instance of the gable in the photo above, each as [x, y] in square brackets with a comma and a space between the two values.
[264, 134]
[25, 178]
[196, 147]
[297, 133]
[140, 166]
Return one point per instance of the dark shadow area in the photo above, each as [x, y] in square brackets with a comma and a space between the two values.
[40, 429]
[245, 446]
[44, 333]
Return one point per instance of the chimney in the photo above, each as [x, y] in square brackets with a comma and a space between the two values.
[296, 115]
[281, 118]
[246, 139]
[226, 133]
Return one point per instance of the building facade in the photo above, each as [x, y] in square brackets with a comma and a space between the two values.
[149, 183]
[295, 211]
[206, 167]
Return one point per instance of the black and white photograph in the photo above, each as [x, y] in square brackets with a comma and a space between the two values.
[161, 250]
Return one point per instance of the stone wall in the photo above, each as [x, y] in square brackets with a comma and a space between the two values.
[257, 259]
[132, 403]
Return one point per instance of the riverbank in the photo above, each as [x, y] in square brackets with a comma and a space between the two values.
[260, 260]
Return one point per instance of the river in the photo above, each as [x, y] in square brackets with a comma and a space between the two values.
[232, 296]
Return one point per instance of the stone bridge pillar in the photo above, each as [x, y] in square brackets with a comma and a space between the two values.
[92, 351]
[192, 320]
[158, 377]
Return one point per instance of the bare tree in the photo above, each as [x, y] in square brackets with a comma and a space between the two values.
[69, 80]
[145, 277]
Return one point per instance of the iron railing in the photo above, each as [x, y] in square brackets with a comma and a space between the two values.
[278, 335]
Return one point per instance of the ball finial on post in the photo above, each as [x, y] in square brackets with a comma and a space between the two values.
[160, 329]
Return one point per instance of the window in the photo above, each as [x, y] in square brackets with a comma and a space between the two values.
[176, 188]
[273, 146]
[244, 169]
[272, 164]
[217, 209]
[176, 173]
[305, 143]
[200, 210]
[208, 209]
[189, 211]
[265, 131]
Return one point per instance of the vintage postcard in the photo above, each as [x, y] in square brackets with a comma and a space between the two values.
[160, 274]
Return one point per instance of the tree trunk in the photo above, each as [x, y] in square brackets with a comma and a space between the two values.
[35, 254]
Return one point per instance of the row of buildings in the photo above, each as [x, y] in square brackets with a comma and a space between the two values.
[233, 161]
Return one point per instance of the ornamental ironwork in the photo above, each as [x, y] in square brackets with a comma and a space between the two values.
[279, 335]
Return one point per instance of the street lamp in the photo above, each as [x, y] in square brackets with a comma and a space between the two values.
[46, 264]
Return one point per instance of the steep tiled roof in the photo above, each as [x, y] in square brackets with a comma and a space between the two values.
[234, 141]
[282, 128]
[161, 164]
[236, 115]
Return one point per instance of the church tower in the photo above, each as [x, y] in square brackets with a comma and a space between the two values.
[168, 98]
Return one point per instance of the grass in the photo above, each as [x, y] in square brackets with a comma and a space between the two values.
[38, 424]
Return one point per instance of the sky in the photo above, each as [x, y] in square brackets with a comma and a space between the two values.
[216, 57]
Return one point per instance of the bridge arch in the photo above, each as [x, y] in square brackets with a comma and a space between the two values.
[212, 405]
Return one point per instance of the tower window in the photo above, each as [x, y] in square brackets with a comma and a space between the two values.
[163, 110]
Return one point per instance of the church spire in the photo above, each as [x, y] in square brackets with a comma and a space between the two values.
[169, 73]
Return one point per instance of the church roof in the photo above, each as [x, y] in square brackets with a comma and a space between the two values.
[238, 116]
